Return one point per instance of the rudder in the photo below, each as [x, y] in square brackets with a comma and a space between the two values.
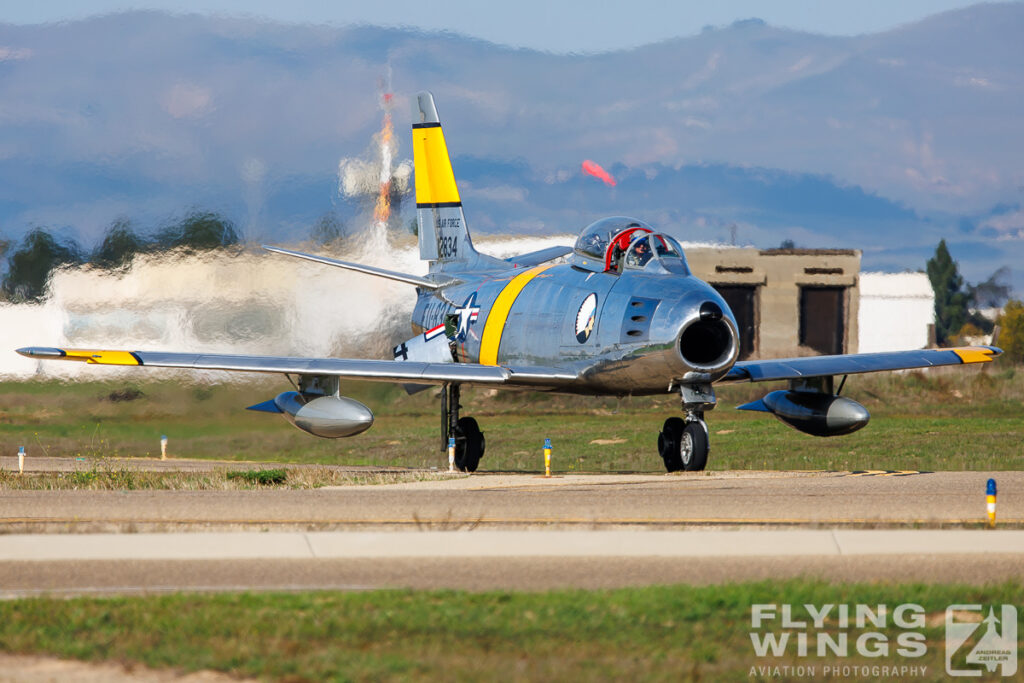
[443, 234]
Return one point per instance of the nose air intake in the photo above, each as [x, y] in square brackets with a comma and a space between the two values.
[707, 342]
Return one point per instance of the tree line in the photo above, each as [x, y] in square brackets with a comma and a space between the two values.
[959, 306]
[32, 261]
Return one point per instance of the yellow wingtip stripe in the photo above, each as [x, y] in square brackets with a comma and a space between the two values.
[101, 357]
[498, 315]
[435, 180]
[974, 354]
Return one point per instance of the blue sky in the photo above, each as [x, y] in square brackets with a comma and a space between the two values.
[553, 25]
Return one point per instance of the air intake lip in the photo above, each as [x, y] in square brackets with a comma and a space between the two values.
[708, 342]
[710, 311]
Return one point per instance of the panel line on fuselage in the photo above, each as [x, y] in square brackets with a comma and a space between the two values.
[490, 340]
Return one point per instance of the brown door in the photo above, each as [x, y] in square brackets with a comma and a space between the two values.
[822, 319]
[742, 299]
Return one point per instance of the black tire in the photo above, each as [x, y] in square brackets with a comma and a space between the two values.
[469, 444]
[668, 443]
[693, 447]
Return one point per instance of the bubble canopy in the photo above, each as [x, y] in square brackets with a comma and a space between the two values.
[618, 242]
[665, 250]
[596, 237]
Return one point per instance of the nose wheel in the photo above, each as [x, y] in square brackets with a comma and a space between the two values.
[684, 445]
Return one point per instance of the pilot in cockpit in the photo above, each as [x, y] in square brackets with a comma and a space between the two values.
[640, 254]
[643, 253]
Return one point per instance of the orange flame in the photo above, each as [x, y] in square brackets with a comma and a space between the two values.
[382, 209]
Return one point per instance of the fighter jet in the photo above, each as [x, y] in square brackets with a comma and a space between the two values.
[622, 315]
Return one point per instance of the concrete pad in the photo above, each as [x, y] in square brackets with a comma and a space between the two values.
[176, 546]
[568, 544]
[497, 544]
[929, 541]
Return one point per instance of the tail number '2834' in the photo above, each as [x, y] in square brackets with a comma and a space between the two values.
[447, 247]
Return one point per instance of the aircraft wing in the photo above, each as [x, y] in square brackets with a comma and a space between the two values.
[851, 364]
[354, 368]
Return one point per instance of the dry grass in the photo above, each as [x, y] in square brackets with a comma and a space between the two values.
[109, 475]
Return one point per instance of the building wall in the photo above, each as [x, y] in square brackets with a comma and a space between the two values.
[896, 310]
[779, 275]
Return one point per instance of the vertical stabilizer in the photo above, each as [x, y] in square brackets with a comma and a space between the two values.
[443, 233]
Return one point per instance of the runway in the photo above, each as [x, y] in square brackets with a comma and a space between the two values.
[515, 531]
[874, 499]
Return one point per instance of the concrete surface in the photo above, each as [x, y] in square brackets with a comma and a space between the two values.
[454, 544]
[513, 532]
[815, 499]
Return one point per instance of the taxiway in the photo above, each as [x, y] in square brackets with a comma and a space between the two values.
[513, 531]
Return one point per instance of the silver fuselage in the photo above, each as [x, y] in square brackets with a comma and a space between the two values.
[647, 330]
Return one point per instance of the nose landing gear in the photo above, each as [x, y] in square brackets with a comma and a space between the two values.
[683, 444]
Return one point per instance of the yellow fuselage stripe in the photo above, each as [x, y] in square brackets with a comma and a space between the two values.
[495, 325]
[435, 180]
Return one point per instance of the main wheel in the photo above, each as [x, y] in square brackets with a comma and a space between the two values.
[668, 443]
[693, 447]
[469, 444]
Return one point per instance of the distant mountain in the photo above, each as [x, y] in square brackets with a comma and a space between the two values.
[884, 142]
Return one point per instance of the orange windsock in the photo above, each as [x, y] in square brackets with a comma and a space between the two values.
[592, 168]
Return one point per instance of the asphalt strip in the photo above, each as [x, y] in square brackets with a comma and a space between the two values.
[500, 544]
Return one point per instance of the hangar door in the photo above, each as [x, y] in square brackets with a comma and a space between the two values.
[823, 319]
[742, 299]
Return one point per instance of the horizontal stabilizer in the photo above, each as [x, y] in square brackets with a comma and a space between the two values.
[266, 407]
[421, 282]
[535, 258]
[757, 405]
[411, 389]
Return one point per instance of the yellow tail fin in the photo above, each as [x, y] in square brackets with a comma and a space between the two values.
[443, 234]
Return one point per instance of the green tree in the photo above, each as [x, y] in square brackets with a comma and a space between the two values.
[1011, 331]
[950, 298]
[30, 266]
[119, 246]
[199, 231]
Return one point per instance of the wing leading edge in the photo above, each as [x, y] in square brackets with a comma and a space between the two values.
[852, 364]
[354, 368]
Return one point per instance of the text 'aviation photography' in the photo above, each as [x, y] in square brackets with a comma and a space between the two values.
[611, 343]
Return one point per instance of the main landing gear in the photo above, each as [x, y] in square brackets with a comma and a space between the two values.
[469, 440]
[683, 442]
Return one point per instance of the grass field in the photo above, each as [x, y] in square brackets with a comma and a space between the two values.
[656, 633]
[952, 419]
